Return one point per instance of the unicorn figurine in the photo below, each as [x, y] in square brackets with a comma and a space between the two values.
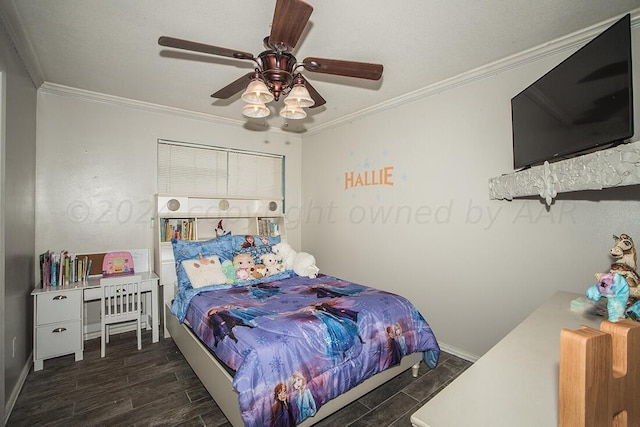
[616, 289]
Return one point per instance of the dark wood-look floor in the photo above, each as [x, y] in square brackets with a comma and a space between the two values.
[156, 386]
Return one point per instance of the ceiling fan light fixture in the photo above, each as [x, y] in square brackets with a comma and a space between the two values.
[294, 112]
[256, 110]
[257, 93]
[299, 96]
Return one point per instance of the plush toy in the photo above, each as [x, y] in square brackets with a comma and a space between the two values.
[258, 271]
[625, 264]
[286, 254]
[272, 263]
[305, 265]
[302, 263]
[229, 271]
[616, 289]
[220, 229]
[244, 266]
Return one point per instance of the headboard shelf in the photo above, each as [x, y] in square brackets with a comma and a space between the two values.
[204, 218]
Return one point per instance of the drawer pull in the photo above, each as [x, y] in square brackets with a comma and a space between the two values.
[57, 330]
[59, 297]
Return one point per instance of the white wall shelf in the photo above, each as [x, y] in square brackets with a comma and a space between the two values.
[614, 167]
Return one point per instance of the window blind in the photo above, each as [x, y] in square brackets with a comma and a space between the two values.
[201, 170]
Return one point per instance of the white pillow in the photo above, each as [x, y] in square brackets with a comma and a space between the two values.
[204, 271]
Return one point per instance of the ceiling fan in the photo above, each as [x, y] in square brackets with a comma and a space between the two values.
[277, 71]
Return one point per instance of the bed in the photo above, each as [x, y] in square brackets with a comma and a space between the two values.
[283, 349]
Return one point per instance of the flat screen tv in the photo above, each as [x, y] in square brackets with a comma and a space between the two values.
[584, 103]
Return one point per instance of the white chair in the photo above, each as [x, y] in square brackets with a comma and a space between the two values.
[120, 302]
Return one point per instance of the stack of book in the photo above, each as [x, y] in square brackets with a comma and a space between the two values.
[62, 268]
[267, 227]
[179, 229]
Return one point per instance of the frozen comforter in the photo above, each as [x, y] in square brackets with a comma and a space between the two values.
[299, 342]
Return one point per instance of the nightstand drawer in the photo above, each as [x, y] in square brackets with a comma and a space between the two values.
[56, 307]
[58, 339]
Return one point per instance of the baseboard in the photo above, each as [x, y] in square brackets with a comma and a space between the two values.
[460, 353]
[13, 397]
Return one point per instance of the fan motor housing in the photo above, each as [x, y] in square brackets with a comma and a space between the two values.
[277, 70]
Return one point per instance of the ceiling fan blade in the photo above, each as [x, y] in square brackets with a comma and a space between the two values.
[289, 19]
[318, 99]
[361, 70]
[203, 48]
[232, 88]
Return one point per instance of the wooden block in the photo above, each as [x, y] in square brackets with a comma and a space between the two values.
[600, 376]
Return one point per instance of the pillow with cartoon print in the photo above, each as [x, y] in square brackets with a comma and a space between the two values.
[190, 250]
[204, 271]
[248, 241]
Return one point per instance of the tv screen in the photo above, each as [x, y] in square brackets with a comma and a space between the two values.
[584, 103]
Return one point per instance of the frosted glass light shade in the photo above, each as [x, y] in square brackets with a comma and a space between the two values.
[257, 93]
[293, 112]
[299, 96]
[255, 111]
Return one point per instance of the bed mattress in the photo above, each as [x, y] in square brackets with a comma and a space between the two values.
[296, 343]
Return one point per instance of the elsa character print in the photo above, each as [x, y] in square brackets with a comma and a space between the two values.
[305, 403]
[341, 326]
[400, 338]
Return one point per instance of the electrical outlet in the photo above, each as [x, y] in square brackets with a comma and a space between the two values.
[14, 347]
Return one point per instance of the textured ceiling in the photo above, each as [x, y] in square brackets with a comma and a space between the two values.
[110, 46]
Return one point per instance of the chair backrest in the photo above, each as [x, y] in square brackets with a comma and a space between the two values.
[120, 298]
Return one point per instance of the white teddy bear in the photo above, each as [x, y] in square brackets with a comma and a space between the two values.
[286, 254]
[272, 263]
[302, 263]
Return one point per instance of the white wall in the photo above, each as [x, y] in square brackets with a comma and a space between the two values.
[97, 164]
[474, 267]
[96, 175]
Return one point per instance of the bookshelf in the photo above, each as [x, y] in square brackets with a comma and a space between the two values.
[203, 218]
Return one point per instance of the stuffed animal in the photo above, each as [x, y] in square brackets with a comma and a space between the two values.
[286, 254]
[272, 263]
[220, 229]
[258, 271]
[625, 264]
[229, 271]
[616, 289]
[302, 263]
[305, 265]
[244, 265]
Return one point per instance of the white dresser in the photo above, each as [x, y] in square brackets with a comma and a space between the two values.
[57, 323]
[516, 382]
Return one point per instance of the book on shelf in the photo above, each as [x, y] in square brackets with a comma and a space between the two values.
[268, 227]
[179, 229]
[63, 268]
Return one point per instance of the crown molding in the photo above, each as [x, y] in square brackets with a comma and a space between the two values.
[68, 91]
[20, 42]
[568, 43]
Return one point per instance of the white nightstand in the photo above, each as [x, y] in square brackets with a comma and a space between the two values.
[57, 320]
